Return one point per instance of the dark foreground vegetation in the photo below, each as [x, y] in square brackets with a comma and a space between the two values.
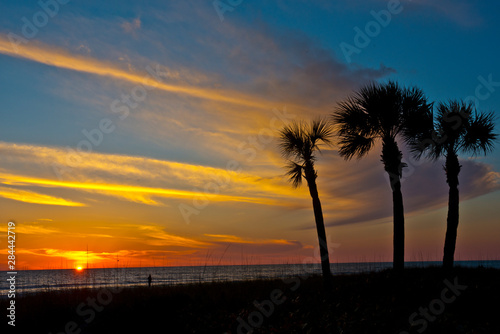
[459, 300]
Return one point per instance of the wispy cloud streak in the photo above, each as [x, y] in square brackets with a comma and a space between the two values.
[137, 179]
[34, 197]
[49, 55]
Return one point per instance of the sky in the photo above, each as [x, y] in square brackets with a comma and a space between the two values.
[146, 133]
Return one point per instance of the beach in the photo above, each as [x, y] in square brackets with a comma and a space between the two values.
[419, 300]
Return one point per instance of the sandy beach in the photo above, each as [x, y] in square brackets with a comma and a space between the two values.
[428, 300]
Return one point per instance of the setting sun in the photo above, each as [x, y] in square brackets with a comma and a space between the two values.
[79, 268]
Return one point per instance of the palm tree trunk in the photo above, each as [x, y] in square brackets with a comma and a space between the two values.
[452, 169]
[320, 226]
[391, 157]
[399, 227]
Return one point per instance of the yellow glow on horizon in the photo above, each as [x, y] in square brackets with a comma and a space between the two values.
[79, 268]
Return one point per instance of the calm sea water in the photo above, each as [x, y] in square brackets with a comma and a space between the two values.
[44, 280]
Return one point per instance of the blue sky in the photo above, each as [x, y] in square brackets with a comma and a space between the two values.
[220, 90]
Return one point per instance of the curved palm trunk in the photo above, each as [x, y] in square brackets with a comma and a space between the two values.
[452, 169]
[391, 157]
[320, 224]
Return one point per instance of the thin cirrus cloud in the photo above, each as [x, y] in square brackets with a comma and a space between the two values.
[135, 193]
[48, 55]
[133, 178]
[156, 236]
[131, 27]
[35, 229]
[230, 248]
[224, 238]
[31, 196]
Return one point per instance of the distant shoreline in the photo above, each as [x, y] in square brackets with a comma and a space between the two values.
[430, 263]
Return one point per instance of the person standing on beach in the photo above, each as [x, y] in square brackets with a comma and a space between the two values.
[149, 280]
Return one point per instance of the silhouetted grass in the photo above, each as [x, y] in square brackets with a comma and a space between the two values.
[363, 303]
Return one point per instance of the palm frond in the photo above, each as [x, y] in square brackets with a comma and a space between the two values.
[298, 143]
[459, 127]
[418, 127]
[355, 145]
[434, 148]
[351, 116]
[386, 108]
[452, 119]
[479, 136]
[295, 173]
[320, 131]
[292, 140]
[379, 111]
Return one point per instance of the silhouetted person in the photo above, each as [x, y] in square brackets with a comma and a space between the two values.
[149, 280]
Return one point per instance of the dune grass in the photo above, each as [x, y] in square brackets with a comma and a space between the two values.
[379, 302]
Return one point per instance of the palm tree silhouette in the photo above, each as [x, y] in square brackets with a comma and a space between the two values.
[458, 128]
[299, 143]
[383, 112]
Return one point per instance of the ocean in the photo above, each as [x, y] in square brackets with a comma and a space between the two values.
[29, 281]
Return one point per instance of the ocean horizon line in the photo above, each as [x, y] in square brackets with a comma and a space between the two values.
[438, 262]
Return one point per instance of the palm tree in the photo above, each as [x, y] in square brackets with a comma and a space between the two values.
[458, 128]
[383, 112]
[299, 143]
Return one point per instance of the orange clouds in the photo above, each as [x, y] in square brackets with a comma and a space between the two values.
[238, 240]
[33, 197]
[134, 193]
[113, 174]
[153, 245]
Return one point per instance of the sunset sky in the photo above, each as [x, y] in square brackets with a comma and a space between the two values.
[147, 131]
